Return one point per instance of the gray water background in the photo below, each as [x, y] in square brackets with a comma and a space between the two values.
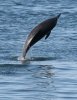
[51, 70]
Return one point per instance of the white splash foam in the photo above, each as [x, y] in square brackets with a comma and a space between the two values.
[21, 58]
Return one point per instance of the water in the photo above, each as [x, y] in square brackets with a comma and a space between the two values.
[50, 73]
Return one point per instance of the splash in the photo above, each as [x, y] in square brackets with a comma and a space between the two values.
[23, 60]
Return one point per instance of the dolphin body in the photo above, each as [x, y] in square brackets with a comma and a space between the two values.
[41, 30]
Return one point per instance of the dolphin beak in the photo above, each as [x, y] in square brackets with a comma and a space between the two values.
[59, 15]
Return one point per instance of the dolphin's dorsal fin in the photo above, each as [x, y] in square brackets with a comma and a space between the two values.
[47, 35]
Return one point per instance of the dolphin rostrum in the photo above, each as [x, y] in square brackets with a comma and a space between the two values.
[41, 30]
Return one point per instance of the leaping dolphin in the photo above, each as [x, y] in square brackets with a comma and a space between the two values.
[41, 30]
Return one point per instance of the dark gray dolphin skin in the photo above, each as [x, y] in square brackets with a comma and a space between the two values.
[41, 30]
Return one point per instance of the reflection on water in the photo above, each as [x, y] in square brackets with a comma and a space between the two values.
[44, 72]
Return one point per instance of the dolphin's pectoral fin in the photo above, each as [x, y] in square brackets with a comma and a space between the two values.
[47, 35]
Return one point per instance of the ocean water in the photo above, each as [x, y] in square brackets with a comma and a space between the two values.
[50, 72]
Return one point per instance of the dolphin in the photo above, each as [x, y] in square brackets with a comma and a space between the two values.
[41, 30]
